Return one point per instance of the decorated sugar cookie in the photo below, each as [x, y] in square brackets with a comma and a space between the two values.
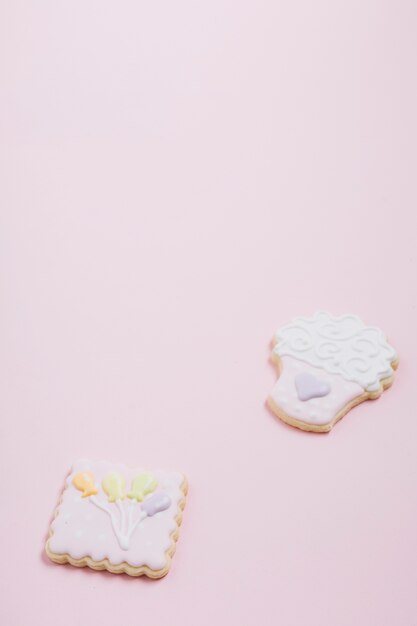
[327, 366]
[118, 518]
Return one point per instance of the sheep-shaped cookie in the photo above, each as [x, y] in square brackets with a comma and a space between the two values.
[327, 366]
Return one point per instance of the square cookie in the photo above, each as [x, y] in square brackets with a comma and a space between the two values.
[118, 518]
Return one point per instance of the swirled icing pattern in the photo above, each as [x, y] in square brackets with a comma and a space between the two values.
[340, 345]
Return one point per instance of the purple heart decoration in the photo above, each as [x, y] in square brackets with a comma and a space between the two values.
[308, 386]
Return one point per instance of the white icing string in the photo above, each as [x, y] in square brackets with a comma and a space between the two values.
[122, 516]
[126, 525]
[130, 513]
[134, 525]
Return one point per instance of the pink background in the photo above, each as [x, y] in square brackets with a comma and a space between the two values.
[179, 179]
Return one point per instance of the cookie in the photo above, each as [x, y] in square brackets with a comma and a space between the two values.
[327, 365]
[118, 518]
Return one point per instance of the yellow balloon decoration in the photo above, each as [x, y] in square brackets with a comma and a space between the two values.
[84, 481]
[114, 485]
[141, 486]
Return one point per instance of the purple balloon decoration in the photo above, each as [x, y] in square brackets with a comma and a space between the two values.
[156, 503]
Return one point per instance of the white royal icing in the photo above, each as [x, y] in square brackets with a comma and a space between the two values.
[340, 345]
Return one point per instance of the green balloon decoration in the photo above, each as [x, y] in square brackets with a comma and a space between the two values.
[142, 485]
[114, 485]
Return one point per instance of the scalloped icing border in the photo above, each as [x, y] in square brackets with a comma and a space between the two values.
[325, 428]
[124, 567]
